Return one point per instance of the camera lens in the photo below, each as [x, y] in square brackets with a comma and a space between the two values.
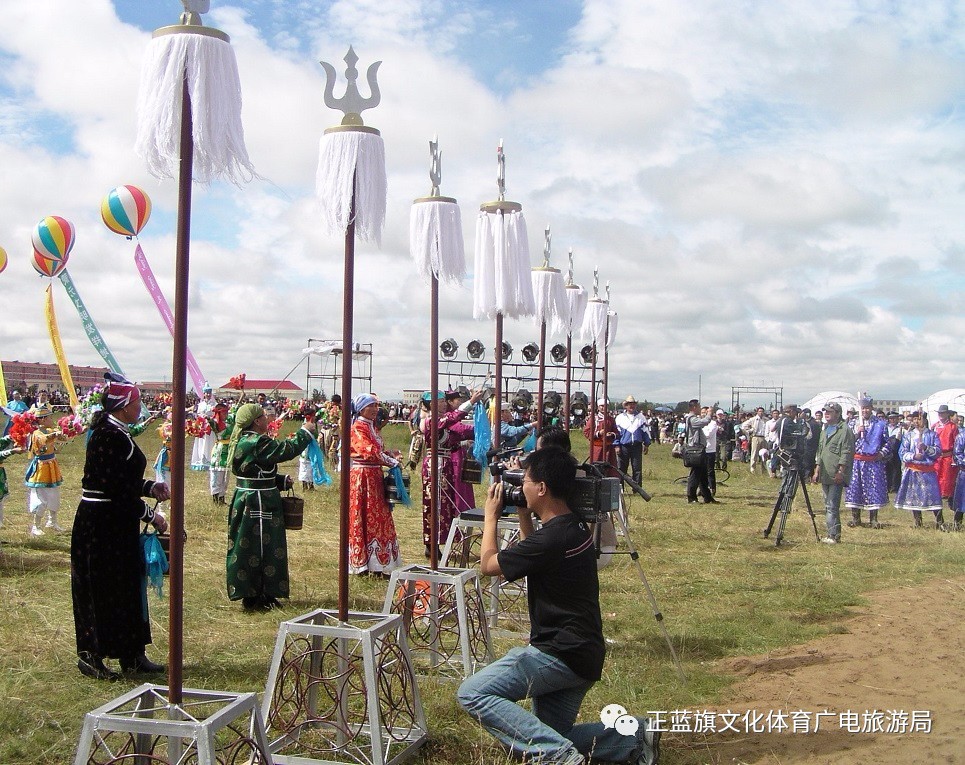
[513, 496]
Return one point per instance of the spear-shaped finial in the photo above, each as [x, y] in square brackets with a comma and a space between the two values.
[596, 281]
[435, 166]
[547, 246]
[608, 291]
[501, 171]
[569, 271]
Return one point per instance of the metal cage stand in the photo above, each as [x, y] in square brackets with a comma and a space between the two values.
[206, 727]
[343, 691]
[444, 617]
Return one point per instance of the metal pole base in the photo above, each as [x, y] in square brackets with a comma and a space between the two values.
[343, 692]
[443, 616]
[508, 610]
[206, 728]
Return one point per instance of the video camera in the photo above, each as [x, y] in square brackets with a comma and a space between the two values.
[593, 497]
[793, 442]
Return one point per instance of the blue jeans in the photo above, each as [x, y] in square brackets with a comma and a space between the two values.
[832, 508]
[547, 734]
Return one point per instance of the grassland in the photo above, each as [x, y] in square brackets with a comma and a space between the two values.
[723, 589]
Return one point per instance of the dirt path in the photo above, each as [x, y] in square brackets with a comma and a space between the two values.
[904, 652]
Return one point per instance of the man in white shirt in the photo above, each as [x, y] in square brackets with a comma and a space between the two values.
[633, 440]
[710, 460]
[756, 430]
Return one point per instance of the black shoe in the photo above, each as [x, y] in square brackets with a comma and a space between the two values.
[712, 502]
[271, 603]
[691, 501]
[93, 666]
[254, 603]
[143, 665]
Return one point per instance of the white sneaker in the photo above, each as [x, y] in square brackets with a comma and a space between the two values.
[54, 525]
[830, 541]
[36, 531]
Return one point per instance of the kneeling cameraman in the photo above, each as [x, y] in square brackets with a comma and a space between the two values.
[565, 654]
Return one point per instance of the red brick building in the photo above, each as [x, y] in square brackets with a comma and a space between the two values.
[30, 376]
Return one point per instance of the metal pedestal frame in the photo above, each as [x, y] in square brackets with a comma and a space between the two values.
[507, 600]
[443, 616]
[206, 728]
[343, 692]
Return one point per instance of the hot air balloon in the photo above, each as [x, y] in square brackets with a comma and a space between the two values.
[126, 210]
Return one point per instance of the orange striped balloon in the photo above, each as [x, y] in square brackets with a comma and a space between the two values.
[126, 210]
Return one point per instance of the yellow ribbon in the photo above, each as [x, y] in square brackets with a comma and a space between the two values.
[3, 389]
[59, 349]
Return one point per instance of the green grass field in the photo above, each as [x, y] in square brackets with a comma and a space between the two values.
[723, 590]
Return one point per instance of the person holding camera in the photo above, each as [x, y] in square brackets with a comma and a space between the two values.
[566, 649]
[695, 454]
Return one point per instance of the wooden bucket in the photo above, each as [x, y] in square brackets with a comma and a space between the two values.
[471, 471]
[294, 509]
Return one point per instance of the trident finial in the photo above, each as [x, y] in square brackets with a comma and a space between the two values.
[435, 166]
[501, 171]
[351, 104]
[596, 281]
[569, 272]
[547, 246]
[193, 10]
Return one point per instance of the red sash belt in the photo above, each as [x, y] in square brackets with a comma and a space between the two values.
[920, 468]
[866, 457]
[947, 452]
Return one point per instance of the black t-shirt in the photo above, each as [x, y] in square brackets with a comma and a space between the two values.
[559, 562]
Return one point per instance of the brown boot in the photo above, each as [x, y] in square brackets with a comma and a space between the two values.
[855, 519]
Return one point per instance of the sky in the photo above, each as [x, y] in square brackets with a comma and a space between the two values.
[774, 191]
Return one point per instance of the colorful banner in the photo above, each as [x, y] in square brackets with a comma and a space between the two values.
[59, 349]
[93, 334]
[3, 388]
[147, 275]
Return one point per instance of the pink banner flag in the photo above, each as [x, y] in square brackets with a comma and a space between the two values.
[147, 275]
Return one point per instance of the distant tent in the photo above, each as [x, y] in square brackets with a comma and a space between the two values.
[953, 397]
[821, 400]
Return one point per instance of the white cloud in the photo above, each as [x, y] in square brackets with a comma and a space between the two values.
[773, 190]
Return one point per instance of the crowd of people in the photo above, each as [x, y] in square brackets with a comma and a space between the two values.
[858, 457]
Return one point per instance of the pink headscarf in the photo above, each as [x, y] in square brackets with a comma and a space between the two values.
[119, 392]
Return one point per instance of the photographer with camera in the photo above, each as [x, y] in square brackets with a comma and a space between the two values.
[566, 650]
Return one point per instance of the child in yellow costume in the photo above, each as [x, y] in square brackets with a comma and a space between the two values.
[43, 476]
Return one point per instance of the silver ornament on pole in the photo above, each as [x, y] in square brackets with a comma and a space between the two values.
[351, 181]
[336, 652]
[550, 309]
[502, 284]
[576, 298]
[427, 597]
[189, 127]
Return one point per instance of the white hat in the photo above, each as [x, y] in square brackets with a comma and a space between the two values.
[720, 411]
[505, 407]
[601, 402]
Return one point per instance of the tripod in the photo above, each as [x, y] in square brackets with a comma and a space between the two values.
[785, 499]
[598, 470]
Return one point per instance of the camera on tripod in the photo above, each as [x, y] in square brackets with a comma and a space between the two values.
[793, 443]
